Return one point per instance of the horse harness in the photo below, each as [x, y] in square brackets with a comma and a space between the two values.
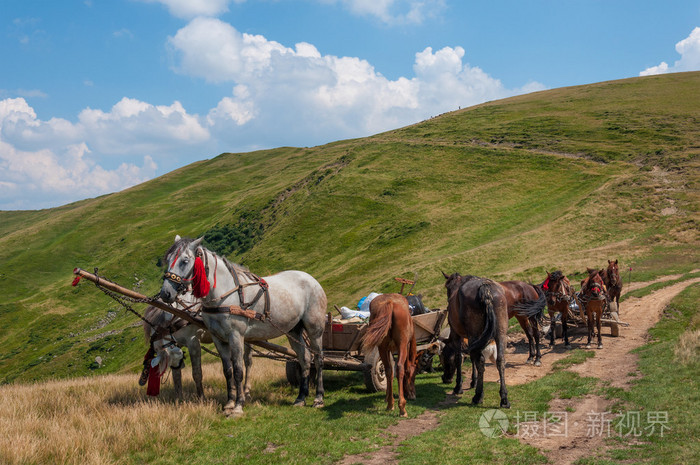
[244, 308]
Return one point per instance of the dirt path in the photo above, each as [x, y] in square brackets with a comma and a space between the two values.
[613, 364]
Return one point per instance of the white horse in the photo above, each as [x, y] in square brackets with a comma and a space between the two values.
[238, 306]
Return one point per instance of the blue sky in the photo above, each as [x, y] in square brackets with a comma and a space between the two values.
[100, 95]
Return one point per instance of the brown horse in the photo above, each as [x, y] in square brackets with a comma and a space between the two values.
[594, 298]
[611, 278]
[526, 303]
[559, 295]
[478, 311]
[391, 329]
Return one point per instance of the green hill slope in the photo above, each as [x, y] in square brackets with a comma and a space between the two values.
[558, 179]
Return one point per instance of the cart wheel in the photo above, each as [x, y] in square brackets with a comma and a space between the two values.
[615, 316]
[293, 370]
[375, 377]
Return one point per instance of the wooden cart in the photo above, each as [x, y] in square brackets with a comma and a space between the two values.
[341, 348]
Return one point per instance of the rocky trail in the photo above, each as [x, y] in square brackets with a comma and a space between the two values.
[613, 365]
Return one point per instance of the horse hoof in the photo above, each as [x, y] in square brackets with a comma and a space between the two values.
[568, 347]
[600, 346]
[476, 401]
[234, 412]
[404, 414]
[538, 363]
[588, 346]
[318, 403]
[528, 361]
[299, 403]
[457, 392]
[505, 404]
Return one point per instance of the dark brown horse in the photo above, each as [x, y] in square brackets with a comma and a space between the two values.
[594, 298]
[478, 311]
[560, 294]
[611, 278]
[391, 330]
[526, 303]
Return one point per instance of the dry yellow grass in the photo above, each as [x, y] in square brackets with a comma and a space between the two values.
[98, 420]
[688, 348]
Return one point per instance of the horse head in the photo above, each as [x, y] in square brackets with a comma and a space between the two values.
[593, 285]
[613, 272]
[180, 260]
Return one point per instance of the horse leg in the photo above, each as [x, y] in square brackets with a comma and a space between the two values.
[225, 353]
[458, 371]
[536, 335]
[177, 381]
[316, 343]
[478, 359]
[299, 347]
[525, 324]
[564, 328]
[236, 344]
[248, 362]
[501, 339]
[400, 376]
[598, 316]
[552, 327]
[472, 384]
[589, 321]
[195, 350]
[412, 368]
[388, 362]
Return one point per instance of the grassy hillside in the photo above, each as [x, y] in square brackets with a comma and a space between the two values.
[558, 179]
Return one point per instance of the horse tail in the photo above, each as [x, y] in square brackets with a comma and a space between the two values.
[532, 308]
[484, 297]
[378, 328]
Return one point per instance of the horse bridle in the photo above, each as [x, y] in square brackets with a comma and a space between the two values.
[180, 282]
[559, 296]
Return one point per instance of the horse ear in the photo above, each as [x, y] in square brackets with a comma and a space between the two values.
[590, 270]
[616, 261]
[196, 243]
[177, 237]
[443, 273]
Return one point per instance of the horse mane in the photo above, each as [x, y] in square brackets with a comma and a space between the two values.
[186, 241]
[556, 276]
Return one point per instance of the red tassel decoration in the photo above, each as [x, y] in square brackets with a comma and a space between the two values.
[153, 388]
[545, 286]
[200, 283]
[76, 281]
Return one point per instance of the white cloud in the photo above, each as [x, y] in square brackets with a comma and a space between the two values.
[284, 95]
[188, 9]
[688, 49]
[49, 163]
[393, 11]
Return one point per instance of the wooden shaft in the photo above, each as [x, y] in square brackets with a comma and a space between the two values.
[135, 295]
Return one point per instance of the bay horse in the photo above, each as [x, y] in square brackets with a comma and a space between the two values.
[238, 305]
[526, 303]
[611, 278]
[594, 298]
[391, 330]
[478, 311]
[559, 294]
